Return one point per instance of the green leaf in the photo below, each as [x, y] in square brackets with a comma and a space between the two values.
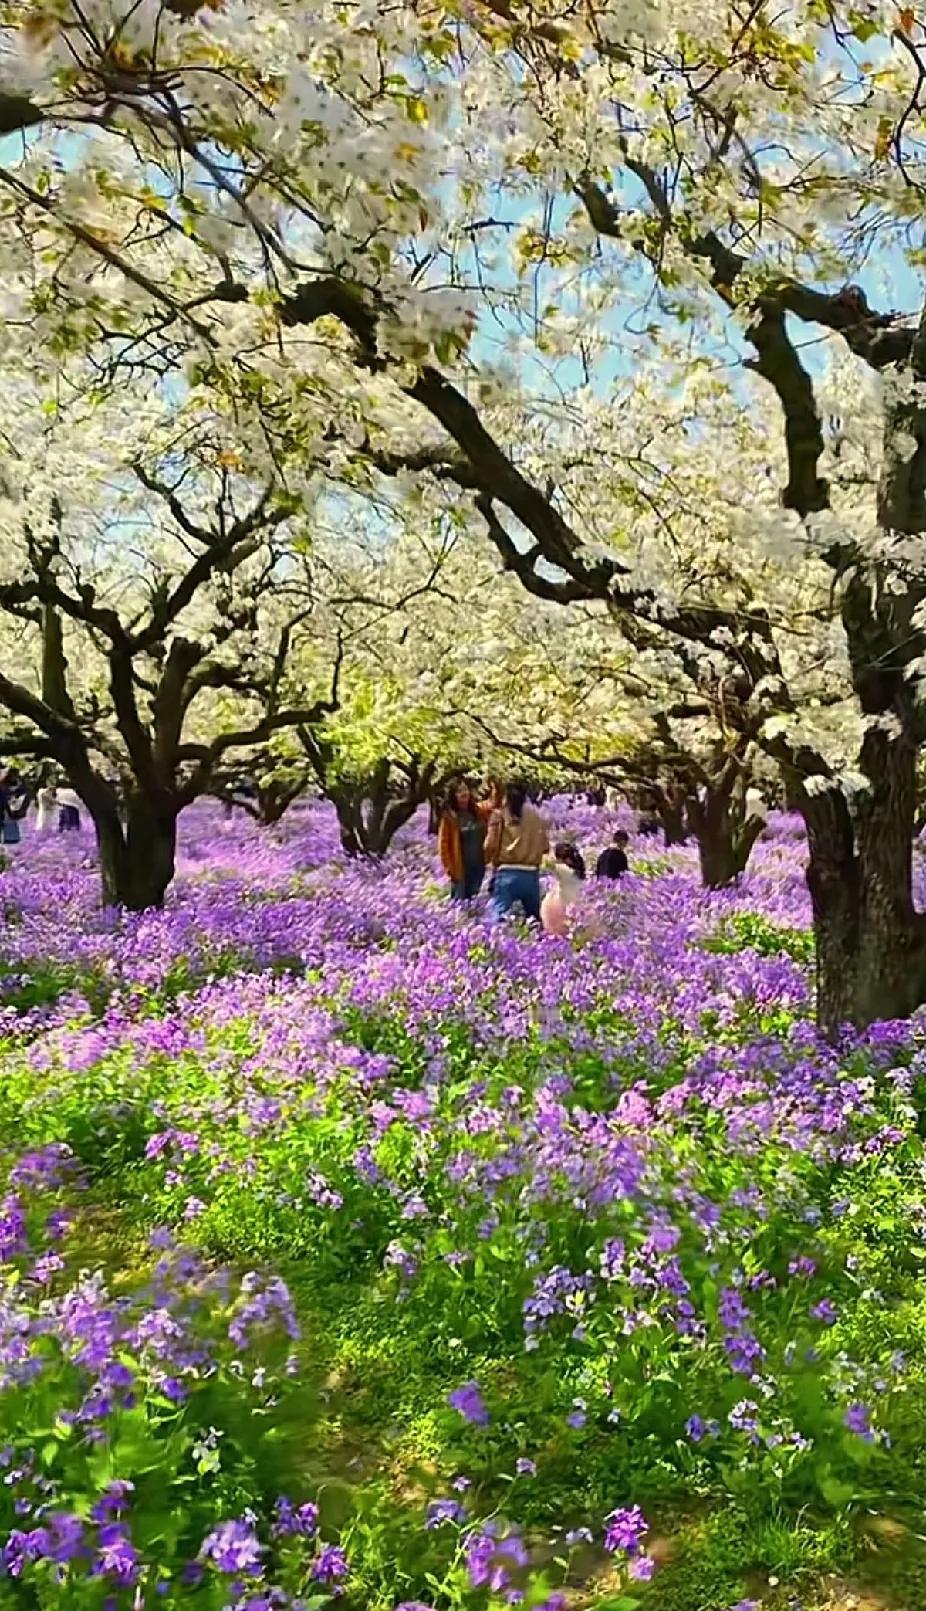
[862, 27]
[834, 1491]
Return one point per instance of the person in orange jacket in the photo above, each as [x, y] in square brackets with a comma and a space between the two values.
[461, 838]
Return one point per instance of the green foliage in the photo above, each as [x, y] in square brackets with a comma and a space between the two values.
[394, 1319]
[751, 930]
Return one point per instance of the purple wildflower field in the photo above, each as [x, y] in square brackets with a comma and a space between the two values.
[359, 1252]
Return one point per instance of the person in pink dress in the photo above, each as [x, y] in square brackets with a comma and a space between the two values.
[558, 908]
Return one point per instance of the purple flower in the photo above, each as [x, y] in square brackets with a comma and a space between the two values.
[233, 1546]
[490, 1560]
[624, 1530]
[330, 1566]
[468, 1401]
[642, 1568]
[744, 1416]
[67, 1537]
[21, 1548]
[695, 1428]
[824, 1311]
[802, 1266]
[113, 1502]
[117, 1557]
[525, 1468]
[444, 1510]
[290, 1522]
[612, 1259]
[858, 1419]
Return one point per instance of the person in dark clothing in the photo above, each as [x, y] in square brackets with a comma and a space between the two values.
[69, 812]
[14, 803]
[612, 863]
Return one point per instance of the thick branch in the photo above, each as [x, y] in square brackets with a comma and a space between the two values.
[876, 338]
[17, 112]
[21, 702]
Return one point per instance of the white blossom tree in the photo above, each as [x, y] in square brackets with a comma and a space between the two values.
[410, 236]
[157, 592]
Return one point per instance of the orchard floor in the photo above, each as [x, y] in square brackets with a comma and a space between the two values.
[356, 1250]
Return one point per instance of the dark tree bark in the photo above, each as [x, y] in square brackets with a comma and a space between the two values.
[137, 852]
[669, 805]
[719, 817]
[275, 798]
[725, 837]
[373, 808]
[272, 798]
[870, 939]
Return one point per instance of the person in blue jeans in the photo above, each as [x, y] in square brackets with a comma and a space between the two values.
[516, 844]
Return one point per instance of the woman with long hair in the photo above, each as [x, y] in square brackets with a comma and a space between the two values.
[569, 875]
[461, 838]
[516, 844]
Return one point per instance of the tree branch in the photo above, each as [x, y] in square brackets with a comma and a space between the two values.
[874, 337]
[17, 112]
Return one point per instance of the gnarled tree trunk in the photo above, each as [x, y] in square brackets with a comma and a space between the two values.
[725, 830]
[724, 848]
[672, 818]
[275, 797]
[667, 805]
[371, 810]
[870, 940]
[136, 858]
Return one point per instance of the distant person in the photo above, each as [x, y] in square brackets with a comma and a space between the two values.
[14, 803]
[461, 837]
[516, 844]
[612, 863]
[69, 811]
[558, 904]
[47, 800]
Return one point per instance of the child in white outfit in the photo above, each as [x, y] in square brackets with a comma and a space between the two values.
[558, 905]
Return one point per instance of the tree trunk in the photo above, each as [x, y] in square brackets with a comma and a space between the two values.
[725, 834]
[273, 809]
[349, 827]
[382, 829]
[870, 940]
[891, 973]
[724, 850]
[275, 799]
[371, 811]
[136, 861]
[672, 818]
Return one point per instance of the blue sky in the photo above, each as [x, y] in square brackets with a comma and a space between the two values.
[889, 279]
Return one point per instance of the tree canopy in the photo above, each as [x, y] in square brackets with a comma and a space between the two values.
[627, 293]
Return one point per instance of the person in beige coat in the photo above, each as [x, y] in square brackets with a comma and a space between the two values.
[516, 843]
